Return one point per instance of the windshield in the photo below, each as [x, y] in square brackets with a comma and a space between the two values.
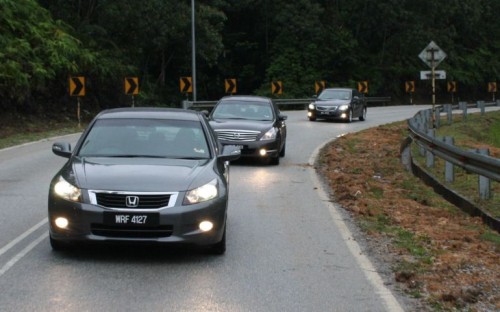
[145, 138]
[335, 95]
[243, 110]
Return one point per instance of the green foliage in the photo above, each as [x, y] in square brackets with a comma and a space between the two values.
[34, 50]
[255, 41]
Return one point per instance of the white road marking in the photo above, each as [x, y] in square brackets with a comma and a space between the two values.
[22, 236]
[367, 267]
[23, 252]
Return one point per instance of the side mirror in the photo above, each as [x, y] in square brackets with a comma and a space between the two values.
[282, 117]
[205, 112]
[230, 152]
[62, 149]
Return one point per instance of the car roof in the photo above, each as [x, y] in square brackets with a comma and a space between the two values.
[252, 98]
[345, 89]
[150, 113]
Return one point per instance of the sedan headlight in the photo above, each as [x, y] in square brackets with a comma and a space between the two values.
[311, 106]
[202, 193]
[344, 107]
[270, 134]
[68, 191]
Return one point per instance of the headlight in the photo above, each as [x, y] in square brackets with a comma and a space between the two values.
[202, 193]
[269, 135]
[67, 191]
[311, 106]
[344, 107]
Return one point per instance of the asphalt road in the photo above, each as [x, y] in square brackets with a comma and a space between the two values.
[289, 248]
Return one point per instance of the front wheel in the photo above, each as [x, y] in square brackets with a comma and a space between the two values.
[363, 115]
[283, 150]
[349, 116]
[220, 247]
[58, 245]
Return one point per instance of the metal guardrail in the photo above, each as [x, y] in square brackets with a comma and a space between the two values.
[479, 164]
[199, 105]
[485, 166]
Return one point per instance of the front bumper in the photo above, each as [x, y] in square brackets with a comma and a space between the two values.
[328, 114]
[177, 224]
[253, 149]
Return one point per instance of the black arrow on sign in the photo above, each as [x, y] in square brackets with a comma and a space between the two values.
[230, 86]
[276, 87]
[131, 83]
[186, 85]
[362, 87]
[76, 86]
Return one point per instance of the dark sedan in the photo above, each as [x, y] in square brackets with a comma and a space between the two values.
[254, 123]
[142, 175]
[338, 103]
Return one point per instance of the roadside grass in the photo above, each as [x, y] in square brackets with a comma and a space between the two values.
[25, 131]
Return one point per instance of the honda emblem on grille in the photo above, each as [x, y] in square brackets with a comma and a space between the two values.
[132, 201]
[236, 135]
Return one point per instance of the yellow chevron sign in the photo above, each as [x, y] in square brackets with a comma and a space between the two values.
[410, 86]
[77, 86]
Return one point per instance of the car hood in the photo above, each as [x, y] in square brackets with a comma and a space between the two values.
[331, 102]
[241, 124]
[138, 174]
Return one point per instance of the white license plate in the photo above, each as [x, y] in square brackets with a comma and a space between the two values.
[131, 219]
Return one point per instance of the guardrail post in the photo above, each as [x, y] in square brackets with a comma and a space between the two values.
[429, 155]
[187, 104]
[463, 107]
[427, 118]
[449, 169]
[480, 105]
[437, 117]
[484, 182]
[448, 108]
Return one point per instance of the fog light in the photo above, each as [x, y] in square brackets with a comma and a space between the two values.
[309, 114]
[344, 115]
[61, 222]
[206, 226]
[263, 152]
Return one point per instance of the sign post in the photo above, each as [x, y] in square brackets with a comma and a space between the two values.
[432, 55]
[410, 88]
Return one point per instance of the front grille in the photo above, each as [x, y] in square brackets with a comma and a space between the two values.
[132, 232]
[326, 108]
[145, 201]
[238, 135]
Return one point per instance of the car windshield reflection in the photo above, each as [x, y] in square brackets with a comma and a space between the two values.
[243, 110]
[147, 138]
[335, 95]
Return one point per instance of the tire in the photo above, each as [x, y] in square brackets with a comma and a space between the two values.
[349, 117]
[58, 245]
[283, 150]
[363, 115]
[220, 247]
[275, 160]
[312, 118]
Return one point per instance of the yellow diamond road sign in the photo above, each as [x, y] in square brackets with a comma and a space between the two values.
[131, 85]
[186, 85]
[77, 86]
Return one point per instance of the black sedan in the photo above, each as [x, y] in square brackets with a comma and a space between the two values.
[254, 123]
[142, 175]
[338, 103]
